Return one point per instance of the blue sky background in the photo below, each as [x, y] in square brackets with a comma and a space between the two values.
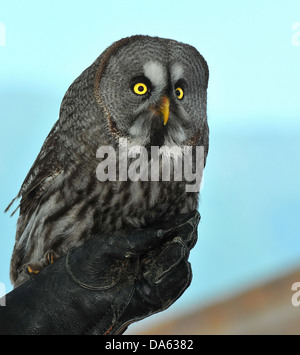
[250, 203]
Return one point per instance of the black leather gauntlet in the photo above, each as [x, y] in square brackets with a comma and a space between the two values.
[108, 283]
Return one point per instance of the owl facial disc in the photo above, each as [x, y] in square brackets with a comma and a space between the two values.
[153, 91]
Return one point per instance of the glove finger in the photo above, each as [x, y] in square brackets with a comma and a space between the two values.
[174, 283]
[188, 233]
[171, 286]
[175, 221]
[165, 260]
[185, 226]
[140, 241]
[135, 242]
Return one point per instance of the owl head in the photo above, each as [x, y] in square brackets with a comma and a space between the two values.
[149, 90]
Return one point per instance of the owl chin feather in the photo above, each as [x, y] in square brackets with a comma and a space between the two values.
[149, 130]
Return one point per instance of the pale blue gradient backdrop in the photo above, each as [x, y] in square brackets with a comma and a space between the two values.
[250, 203]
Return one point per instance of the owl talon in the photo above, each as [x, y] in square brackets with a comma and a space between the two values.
[31, 271]
[50, 257]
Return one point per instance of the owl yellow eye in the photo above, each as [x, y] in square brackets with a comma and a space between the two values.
[140, 88]
[179, 93]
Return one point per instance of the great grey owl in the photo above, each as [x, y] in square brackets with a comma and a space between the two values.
[149, 90]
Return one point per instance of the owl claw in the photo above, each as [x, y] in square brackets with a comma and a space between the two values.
[29, 270]
[51, 256]
[36, 267]
[32, 271]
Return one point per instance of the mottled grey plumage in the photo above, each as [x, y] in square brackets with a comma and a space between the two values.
[62, 201]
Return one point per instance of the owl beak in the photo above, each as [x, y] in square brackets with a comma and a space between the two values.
[165, 108]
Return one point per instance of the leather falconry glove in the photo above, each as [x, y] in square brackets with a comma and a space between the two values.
[106, 284]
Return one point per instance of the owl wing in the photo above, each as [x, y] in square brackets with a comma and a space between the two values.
[40, 176]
